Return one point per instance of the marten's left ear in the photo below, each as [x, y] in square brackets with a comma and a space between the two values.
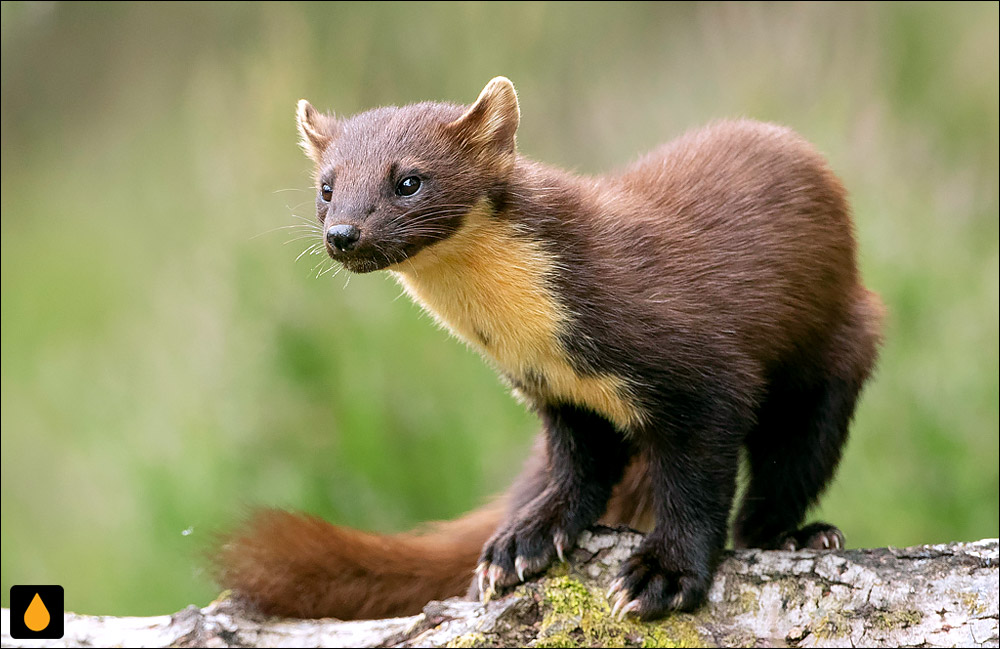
[317, 130]
[492, 121]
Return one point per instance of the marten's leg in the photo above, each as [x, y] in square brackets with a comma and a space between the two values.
[693, 462]
[792, 453]
[631, 503]
[532, 480]
[586, 458]
[796, 445]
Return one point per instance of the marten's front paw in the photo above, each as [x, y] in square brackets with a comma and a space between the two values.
[650, 585]
[520, 548]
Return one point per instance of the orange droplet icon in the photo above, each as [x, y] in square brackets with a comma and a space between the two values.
[36, 617]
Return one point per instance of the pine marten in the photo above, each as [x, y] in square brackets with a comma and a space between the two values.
[703, 300]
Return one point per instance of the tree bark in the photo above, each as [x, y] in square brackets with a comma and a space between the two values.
[932, 595]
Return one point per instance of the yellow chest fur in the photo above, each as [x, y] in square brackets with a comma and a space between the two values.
[490, 287]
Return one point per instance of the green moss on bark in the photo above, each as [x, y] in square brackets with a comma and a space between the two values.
[577, 616]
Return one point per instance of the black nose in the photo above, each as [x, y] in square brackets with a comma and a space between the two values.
[343, 237]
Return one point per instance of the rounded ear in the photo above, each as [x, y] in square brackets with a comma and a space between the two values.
[492, 121]
[316, 130]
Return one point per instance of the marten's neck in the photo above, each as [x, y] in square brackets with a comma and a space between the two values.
[490, 284]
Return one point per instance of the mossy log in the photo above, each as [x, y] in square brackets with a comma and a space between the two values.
[933, 595]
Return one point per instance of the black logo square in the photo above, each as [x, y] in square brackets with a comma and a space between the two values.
[36, 612]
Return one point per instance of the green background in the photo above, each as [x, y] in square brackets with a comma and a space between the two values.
[167, 364]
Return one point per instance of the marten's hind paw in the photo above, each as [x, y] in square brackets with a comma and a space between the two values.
[815, 536]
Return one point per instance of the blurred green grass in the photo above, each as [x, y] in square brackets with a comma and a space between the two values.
[166, 364]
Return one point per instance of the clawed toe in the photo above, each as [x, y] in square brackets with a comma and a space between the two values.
[816, 536]
[489, 578]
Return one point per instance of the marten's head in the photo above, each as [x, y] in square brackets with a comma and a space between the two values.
[392, 181]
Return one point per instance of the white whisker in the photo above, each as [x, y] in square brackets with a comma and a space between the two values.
[307, 250]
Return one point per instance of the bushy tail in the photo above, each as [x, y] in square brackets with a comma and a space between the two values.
[299, 566]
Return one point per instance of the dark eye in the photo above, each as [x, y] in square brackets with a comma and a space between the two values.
[408, 186]
[326, 192]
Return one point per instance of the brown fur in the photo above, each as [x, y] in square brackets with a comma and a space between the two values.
[703, 300]
[295, 565]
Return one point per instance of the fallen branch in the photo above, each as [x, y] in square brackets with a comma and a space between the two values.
[935, 595]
